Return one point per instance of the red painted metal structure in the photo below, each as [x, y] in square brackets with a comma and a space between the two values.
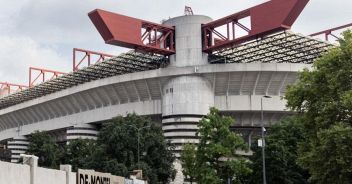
[329, 32]
[134, 33]
[9, 86]
[88, 57]
[270, 17]
[41, 76]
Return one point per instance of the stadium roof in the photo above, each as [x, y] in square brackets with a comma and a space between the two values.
[125, 63]
[283, 47]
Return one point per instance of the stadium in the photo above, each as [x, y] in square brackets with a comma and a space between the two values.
[241, 64]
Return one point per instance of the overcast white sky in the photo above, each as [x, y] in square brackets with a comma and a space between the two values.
[42, 33]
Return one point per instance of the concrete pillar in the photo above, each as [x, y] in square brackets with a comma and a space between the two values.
[250, 139]
[83, 131]
[68, 170]
[188, 39]
[32, 161]
[17, 145]
[186, 99]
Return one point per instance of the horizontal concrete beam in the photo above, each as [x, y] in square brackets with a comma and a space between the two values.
[95, 115]
[162, 72]
[250, 103]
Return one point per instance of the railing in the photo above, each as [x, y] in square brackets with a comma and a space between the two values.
[329, 32]
[42, 76]
[88, 57]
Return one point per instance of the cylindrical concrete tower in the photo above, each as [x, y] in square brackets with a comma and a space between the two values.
[186, 98]
[81, 131]
[188, 39]
[18, 145]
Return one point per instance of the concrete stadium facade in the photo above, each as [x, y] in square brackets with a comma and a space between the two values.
[176, 96]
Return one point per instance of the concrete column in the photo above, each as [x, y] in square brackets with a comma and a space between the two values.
[250, 139]
[17, 145]
[186, 99]
[188, 39]
[68, 170]
[32, 161]
[83, 131]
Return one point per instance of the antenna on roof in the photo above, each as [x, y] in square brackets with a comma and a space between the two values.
[188, 10]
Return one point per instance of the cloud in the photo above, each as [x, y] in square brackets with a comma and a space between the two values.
[54, 22]
[323, 14]
[66, 22]
[42, 33]
[17, 54]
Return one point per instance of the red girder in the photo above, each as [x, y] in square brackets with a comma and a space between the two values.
[42, 75]
[328, 32]
[134, 33]
[9, 86]
[88, 57]
[270, 17]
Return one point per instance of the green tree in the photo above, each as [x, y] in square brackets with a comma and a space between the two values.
[323, 96]
[334, 163]
[216, 159]
[188, 157]
[78, 152]
[42, 145]
[281, 154]
[117, 149]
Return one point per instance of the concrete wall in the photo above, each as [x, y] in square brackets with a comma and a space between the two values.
[187, 95]
[11, 173]
[29, 173]
[50, 176]
[14, 173]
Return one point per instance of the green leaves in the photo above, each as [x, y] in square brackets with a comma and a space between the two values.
[78, 153]
[281, 154]
[188, 158]
[115, 151]
[323, 96]
[118, 149]
[214, 159]
[42, 145]
[334, 162]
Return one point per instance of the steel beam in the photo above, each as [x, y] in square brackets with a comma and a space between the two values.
[134, 33]
[328, 32]
[42, 75]
[267, 18]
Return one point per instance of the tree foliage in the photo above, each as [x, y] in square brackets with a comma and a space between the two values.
[281, 154]
[323, 96]
[330, 160]
[215, 159]
[188, 158]
[78, 152]
[114, 152]
[117, 149]
[42, 145]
